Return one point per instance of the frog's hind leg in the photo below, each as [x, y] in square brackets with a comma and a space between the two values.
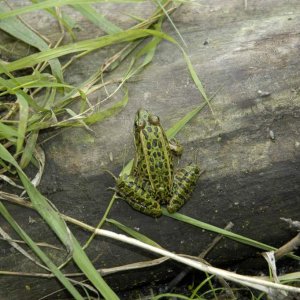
[134, 193]
[184, 183]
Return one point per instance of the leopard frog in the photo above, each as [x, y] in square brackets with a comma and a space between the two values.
[152, 180]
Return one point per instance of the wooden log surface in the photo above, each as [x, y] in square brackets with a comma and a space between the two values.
[249, 148]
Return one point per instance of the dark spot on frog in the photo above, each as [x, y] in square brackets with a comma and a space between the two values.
[149, 129]
[130, 194]
[159, 165]
[159, 144]
[145, 134]
[166, 178]
[148, 145]
[144, 185]
[154, 143]
[152, 169]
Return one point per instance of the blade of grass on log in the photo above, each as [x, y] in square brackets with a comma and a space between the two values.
[8, 85]
[39, 202]
[98, 19]
[101, 115]
[62, 18]
[52, 3]
[226, 233]
[87, 45]
[23, 117]
[170, 20]
[8, 132]
[46, 260]
[32, 81]
[57, 224]
[196, 79]
[89, 120]
[16, 28]
[28, 149]
[133, 233]
[171, 132]
[148, 51]
[79, 120]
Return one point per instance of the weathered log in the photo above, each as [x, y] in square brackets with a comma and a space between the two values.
[249, 148]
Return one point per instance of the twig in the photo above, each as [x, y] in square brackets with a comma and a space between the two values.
[184, 272]
[103, 272]
[290, 246]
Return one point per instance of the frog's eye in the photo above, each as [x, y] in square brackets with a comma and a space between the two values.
[140, 124]
[154, 120]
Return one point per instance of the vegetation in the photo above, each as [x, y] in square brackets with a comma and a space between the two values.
[35, 97]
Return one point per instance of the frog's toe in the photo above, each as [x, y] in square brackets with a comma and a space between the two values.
[176, 202]
[150, 208]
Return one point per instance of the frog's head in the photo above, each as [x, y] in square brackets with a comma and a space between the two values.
[144, 119]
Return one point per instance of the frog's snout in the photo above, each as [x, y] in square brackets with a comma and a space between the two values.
[142, 113]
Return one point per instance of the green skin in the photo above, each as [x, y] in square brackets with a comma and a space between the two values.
[152, 180]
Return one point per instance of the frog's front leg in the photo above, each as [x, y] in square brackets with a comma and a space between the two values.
[134, 192]
[184, 183]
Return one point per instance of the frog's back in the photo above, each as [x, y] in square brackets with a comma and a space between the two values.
[154, 161]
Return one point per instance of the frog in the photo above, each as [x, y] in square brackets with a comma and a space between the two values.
[153, 181]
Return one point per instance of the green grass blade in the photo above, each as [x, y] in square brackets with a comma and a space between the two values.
[8, 85]
[89, 12]
[80, 121]
[133, 233]
[171, 132]
[196, 79]
[92, 118]
[40, 84]
[91, 273]
[16, 28]
[87, 45]
[35, 80]
[40, 203]
[148, 51]
[23, 118]
[7, 131]
[59, 275]
[29, 149]
[62, 18]
[57, 224]
[52, 3]
[170, 20]
[226, 233]
[101, 115]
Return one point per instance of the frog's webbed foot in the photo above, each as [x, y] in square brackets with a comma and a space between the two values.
[184, 183]
[133, 192]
